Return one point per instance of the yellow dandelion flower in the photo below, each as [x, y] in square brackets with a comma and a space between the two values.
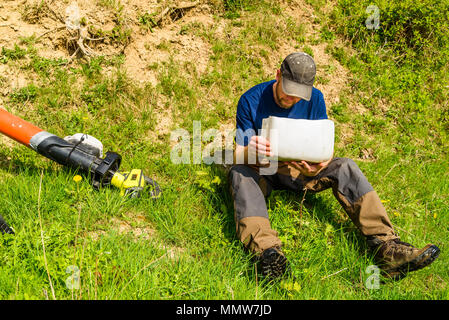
[77, 178]
[216, 180]
[296, 287]
[434, 215]
[396, 214]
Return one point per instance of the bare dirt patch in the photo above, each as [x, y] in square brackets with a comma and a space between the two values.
[135, 225]
[147, 41]
[120, 28]
[147, 47]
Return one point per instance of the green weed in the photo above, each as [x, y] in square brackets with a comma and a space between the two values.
[12, 54]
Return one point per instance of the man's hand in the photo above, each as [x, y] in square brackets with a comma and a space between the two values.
[260, 146]
[249, 154]
[309, 169]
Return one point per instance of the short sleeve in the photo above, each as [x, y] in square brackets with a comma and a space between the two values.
[244, 123]
[320, 107]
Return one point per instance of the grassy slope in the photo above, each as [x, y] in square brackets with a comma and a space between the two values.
[191, 251]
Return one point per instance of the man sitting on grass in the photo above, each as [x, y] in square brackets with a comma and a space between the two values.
[292, 95]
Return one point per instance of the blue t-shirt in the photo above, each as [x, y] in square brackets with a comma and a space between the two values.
[258, 103]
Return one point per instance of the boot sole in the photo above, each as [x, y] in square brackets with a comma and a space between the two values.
[274, 265]
[423, 260]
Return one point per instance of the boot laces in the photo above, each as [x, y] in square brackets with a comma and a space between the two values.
[397, 246]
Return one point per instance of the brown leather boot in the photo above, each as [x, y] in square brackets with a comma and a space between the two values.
[396, 258]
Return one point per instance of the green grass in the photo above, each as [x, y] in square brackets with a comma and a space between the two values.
[188, 249]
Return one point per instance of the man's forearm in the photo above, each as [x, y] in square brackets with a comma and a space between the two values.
[243, 155]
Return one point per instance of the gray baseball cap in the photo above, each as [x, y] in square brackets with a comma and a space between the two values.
[298, 74]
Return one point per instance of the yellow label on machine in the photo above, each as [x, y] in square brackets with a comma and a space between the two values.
[128, 181]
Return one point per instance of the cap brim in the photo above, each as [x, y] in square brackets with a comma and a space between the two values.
[295, 89]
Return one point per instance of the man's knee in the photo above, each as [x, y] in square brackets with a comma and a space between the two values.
[241, 174]
[351, 182]
[249, 198]
[241, 170]
[345, 163]
[244, 175]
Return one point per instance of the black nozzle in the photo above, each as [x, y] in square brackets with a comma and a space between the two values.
[66, 153]
[77, 157]
[104, 169]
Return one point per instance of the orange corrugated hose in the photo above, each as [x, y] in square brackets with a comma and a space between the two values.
[17, 128]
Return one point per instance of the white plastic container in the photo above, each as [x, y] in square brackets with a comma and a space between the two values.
[299, 139]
